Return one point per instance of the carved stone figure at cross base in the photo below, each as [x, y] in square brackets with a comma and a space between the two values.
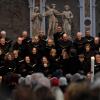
[36, 21]
[67, 17]
[53, 21]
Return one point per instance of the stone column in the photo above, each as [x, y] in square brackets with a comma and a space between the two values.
[93, 18]
[88, 19]
[31, 9]
[31, 6]
[42, 10]
[41, 6]
[82, 16]
[91, 14]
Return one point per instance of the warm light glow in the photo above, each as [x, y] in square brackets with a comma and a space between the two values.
[93, 58]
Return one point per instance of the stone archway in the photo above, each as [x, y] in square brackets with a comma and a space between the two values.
[14, 17]
[87, 16]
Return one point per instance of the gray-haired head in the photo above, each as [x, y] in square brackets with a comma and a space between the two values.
[28, 80]
[36, 76]
[21, 81]
[38, 79]
[63, 81]
[68, 76]
[45, 82]
[76, 77]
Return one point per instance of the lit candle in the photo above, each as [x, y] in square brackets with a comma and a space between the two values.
[92, 68]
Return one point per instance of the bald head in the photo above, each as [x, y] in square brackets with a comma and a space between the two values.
[19, 40]
[3, 34]
[50, 42]
[65, 37]
[79, 35]
[24, 34]
[96, 40]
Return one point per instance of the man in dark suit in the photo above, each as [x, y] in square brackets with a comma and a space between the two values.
[88, 38]
[58, 34]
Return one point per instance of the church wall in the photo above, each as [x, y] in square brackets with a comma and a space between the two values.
[14, 16]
